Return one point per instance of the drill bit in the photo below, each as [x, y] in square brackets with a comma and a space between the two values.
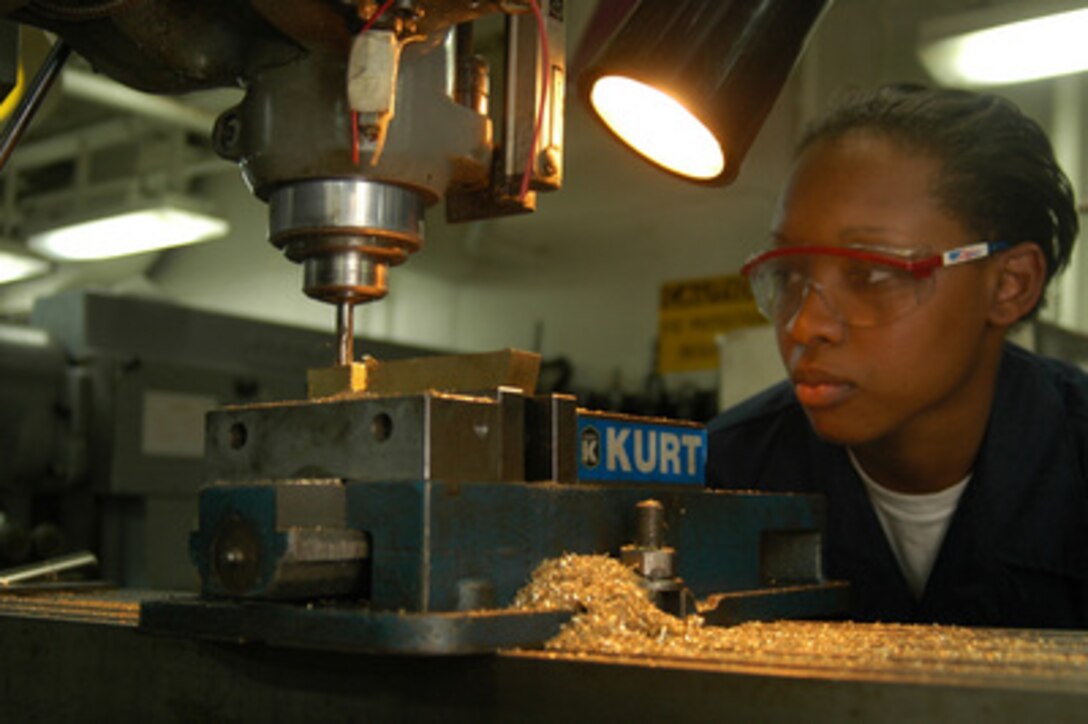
[345, 333]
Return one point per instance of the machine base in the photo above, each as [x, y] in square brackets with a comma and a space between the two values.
[90, 662]
[350, 628]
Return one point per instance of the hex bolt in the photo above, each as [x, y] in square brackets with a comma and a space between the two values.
[651, 524]
[549, 164]
[227, 135]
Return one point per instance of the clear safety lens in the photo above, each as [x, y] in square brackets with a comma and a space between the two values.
[861, 292]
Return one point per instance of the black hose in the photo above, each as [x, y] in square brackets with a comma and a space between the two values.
[32, 99]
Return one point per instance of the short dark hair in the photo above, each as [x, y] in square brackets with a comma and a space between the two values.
[998, 177]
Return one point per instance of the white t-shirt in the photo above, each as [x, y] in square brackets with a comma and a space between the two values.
[915, 525]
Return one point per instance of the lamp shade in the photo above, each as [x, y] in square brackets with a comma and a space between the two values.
[689, 83]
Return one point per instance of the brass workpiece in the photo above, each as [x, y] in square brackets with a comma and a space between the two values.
[449, 373]
[339, 379]
[618, 619]
[349, 397]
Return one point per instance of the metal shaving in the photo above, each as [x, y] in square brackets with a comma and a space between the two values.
[616, 616]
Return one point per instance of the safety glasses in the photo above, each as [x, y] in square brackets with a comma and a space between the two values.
[863, 286]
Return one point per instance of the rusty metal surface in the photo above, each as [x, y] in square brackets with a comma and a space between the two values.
[170, 46]
[314, 24]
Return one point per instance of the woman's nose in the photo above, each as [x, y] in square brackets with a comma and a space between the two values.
[815, 319]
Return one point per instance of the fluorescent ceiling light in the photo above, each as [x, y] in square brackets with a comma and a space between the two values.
[16, 263]
[997, 50]
[132, 232]
[658, 127]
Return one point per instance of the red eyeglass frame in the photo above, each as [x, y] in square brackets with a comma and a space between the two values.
[918, 268]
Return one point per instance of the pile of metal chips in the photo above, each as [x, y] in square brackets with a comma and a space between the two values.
[616, 614]
[616, 617]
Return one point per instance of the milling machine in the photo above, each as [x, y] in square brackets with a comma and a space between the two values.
[398, 507]
[355, 117]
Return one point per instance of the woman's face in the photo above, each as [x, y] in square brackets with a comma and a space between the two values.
[864, 384]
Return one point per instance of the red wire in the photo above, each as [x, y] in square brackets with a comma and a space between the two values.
[354, 115]
[545, 70]
[374, 18]
[355, 137]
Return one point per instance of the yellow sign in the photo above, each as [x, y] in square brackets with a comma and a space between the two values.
[693, 313]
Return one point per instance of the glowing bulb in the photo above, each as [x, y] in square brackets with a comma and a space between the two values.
[657, 126]
[132, 233]
[1013, 53]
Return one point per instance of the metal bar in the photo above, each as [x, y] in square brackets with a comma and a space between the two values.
[48, 567]
[99, 89]
[32, 99]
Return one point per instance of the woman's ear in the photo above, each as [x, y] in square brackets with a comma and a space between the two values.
[1020, 282]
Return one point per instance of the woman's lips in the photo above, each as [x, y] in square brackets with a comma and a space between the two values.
[815, 390]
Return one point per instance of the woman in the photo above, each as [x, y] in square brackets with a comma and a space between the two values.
[918, 226]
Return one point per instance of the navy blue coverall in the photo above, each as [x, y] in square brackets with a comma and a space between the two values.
[1016, 550]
